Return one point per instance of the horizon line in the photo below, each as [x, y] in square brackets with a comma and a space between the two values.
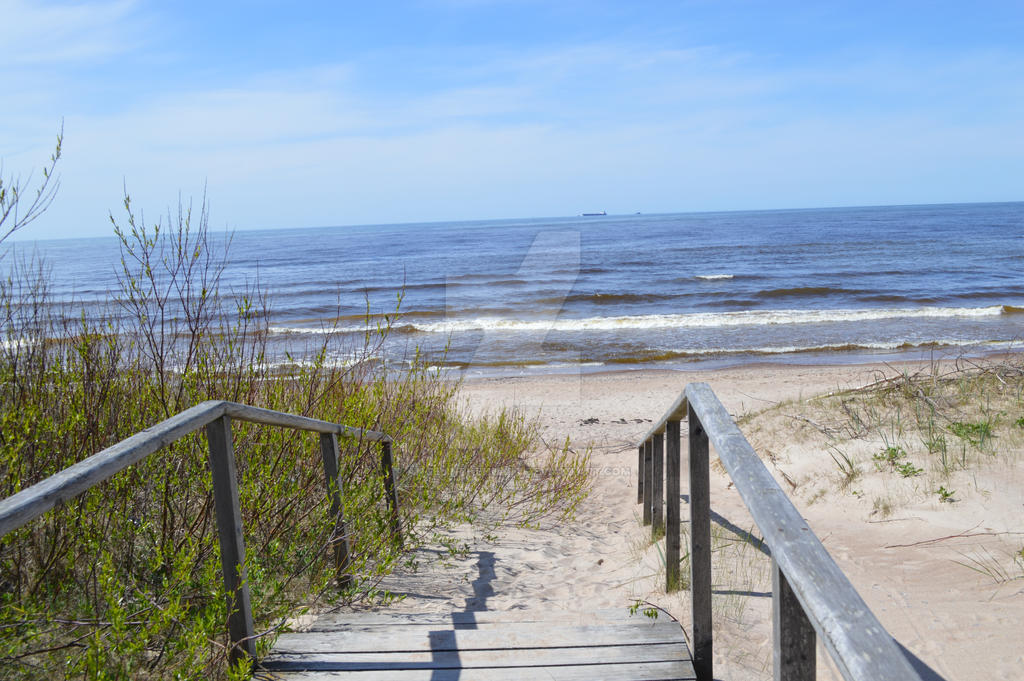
[17, 238]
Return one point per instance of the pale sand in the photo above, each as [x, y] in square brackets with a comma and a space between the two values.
[962, 624]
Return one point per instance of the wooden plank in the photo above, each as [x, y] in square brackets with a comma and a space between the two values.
[269, 417]
[339, 537]
[333, 621]
[648, 481]
[793, 639]
[387, 468]
[469, 659]
[640, 475]
[241, 630]
[509, 635]
[859, 645]
[700, 548]
[680, 670]
[675, 413]
[672, 524]
[658, 478]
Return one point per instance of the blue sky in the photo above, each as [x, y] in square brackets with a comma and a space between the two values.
[333, 113]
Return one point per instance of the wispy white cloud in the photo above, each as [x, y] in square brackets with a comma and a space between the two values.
[40, 32]
[500, 132]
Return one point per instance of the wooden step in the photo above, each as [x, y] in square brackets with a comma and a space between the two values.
[483, 646]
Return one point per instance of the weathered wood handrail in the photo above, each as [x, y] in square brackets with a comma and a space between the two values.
[28, 504]
[810, 594]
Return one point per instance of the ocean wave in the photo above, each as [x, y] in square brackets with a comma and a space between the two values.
[897, 298]
[809, 291]
[315, 330]
[740, 303]
[530, 365]
[706, 319]
[607, 298]
[337, 362]
[15, 344]
[714, 277]
[642, 356]
[695, 320]
[655, 355]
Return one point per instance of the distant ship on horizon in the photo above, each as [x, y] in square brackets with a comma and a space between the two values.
[590, 215]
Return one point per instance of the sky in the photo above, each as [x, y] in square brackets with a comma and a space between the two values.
[348, 112]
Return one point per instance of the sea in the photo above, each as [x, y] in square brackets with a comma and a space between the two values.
[617, 292]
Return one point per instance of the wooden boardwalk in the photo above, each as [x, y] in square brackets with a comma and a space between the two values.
[811, 597]
[483, 646]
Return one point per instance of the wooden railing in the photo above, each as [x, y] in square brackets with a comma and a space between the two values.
[215, 416]
[811, 597]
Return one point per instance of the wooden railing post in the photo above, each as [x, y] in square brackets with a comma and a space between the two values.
[648, 481]
[794, 640]
[813, 599]
[389, 488]
[672, 529]
[658, 496]
[700, 547]
[339, 537]
[640, 475]
[241, 629]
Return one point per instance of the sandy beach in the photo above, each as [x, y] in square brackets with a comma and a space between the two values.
[920, 565]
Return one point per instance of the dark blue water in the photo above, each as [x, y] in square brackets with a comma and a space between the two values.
[678, 290]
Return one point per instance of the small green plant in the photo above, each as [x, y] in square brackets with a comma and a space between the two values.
[907, 469]
[892, 458]
[848, 469]
[977, 433]
[1019, 422]
[648, 611]
[935, 444]
[683, 580]
[888, 458]
[945, 495]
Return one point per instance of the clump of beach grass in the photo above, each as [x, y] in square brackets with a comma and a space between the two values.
[124, 580]
[914, 431]
[946, 417]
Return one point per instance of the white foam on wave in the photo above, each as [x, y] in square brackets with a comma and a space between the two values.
[336, 361]
[694, 320]
[300, 330]
[12, 344]
[702, 319]
[714, 277]
[320, 330]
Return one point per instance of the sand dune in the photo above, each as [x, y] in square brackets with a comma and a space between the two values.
[909, 566]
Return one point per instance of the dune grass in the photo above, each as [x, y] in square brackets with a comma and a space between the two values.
[929, 424]
[922, 439]
[124, 581]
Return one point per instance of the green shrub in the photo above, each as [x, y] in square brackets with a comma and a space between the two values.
[124, 580]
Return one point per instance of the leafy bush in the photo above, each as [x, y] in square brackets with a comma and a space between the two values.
[124, 580]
